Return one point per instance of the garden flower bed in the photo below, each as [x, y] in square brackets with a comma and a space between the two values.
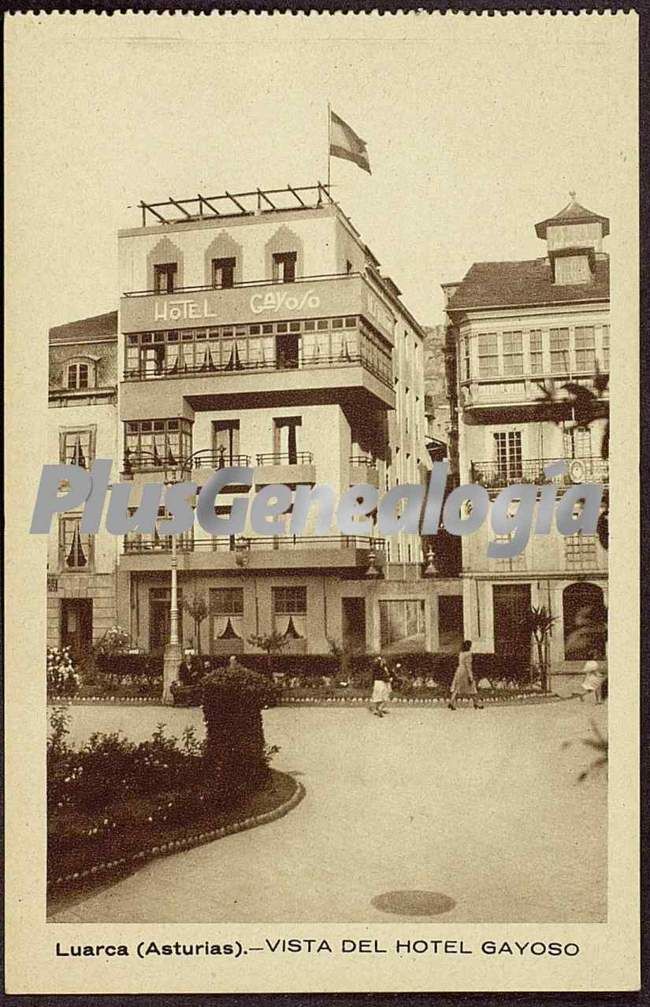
[113, 803]
[87, 850]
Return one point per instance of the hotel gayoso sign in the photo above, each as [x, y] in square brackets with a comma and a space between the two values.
[275, 301]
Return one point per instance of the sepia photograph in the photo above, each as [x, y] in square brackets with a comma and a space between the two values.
[321, 437]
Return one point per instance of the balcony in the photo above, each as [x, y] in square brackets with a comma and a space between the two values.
[528, 392]
[281, 552]
[271, 467]
[285, 467]
[497, 475]
[363, 469]
[257, 301]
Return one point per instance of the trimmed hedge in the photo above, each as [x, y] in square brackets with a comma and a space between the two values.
[358, 666]
[135, 665]
[236, 755]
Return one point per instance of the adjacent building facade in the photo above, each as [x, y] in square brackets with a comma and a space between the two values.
[522, 330]
[81, 579]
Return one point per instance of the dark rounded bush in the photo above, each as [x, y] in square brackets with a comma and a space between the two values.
[236, 754]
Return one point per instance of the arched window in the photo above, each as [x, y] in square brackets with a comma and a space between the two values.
[81, 373]
[585, 621]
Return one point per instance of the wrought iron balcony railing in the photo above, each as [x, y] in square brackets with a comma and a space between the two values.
[495, 475]
[148, 461]
[146, 544]
[366, 460]
[305, 361]
[286, 458]
[210, 459]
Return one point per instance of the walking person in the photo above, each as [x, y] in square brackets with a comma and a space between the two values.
[463, 683]
[380, 688]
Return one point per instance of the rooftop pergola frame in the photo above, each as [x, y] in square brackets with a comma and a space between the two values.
[238, 204]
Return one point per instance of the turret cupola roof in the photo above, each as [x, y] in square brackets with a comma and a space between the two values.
[572, 213]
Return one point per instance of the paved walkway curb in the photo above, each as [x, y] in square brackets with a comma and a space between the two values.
[186, 842]
[351, 701]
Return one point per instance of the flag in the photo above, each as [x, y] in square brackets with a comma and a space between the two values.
[345, 143]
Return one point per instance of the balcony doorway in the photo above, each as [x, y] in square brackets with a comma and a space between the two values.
[287, 350]
[285, 440]
[353, 623]
[225, 442]
[450, 623]
[511, 621]
[77, 626]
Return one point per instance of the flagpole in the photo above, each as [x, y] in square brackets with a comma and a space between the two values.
[329, 146]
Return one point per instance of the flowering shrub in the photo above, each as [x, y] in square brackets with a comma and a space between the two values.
[62, 676]
[109, 768]
[114, 641]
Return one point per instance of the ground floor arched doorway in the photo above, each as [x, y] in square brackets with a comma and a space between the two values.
[585, 621]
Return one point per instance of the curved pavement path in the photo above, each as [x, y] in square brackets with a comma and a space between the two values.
[483, 807]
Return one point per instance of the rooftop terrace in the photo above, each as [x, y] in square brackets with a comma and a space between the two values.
[237, 204]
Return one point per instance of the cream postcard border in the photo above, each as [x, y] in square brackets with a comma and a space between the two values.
[610, 955]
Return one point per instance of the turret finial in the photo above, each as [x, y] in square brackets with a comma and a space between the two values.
[572, 193]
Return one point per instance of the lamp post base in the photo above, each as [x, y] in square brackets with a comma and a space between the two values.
[171, 664]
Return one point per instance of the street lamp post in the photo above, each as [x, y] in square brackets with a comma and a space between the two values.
[173, 650]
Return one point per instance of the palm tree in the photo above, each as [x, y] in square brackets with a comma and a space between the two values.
[197, 609]
[540, 623]
[270, 643]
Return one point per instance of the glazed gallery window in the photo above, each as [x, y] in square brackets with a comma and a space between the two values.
[284, 266]
[223, 272]
[560, 358]
[466, 365]
[266, 346]
[164, 277]
[401, 624]
[75, 549]
[513, 353]
[507, 446]
[585, 347]
[77, 447]
[536, 357]
[290, 611]
[151, 444]
[605, 347]
[580, 552]
[577, 443]
[78, 376]
[488, 355]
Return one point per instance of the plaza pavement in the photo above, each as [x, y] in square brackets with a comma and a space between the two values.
[483, 807]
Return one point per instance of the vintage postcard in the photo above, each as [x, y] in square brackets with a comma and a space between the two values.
[316, 326]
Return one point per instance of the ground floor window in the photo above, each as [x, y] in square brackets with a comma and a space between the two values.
[401, 624]
[290, 611]
[226, 616]
[585, 622]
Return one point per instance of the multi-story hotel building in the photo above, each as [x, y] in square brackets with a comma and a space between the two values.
[256, 329]
[81, 585]
[522, 330]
